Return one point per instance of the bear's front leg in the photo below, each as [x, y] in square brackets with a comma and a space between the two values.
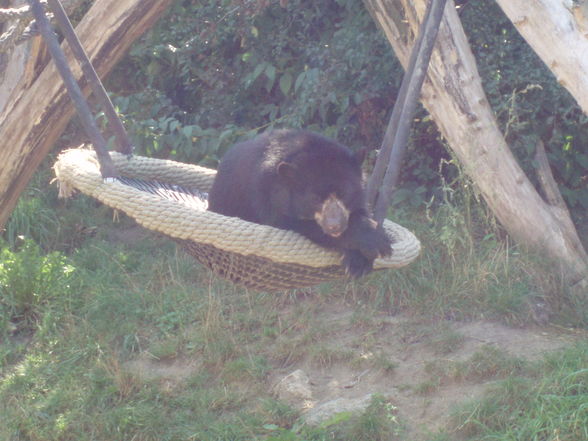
[363, 242]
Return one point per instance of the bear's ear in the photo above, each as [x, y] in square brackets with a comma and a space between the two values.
[360, 155]
[287, 170]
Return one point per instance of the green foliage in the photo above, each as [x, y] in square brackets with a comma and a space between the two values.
[31, 280]
[214, 72]
[378, 423]
[528, 101]
[34, 216]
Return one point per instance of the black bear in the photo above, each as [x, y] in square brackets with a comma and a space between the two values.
[298, 180]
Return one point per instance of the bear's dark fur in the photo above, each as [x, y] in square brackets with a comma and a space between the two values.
[301, 181]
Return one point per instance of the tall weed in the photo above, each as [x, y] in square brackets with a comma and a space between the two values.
[31, 280]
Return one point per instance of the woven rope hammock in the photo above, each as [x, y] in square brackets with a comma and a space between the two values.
[169, 197]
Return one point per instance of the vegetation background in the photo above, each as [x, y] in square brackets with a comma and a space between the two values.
[81, 298]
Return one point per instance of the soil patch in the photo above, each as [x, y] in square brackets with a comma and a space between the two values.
[397, 352]
[411, 347]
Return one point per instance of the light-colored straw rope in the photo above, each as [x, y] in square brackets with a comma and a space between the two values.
[193, 224]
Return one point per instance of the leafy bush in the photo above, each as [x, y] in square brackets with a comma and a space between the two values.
[218, 71]
[30, 280]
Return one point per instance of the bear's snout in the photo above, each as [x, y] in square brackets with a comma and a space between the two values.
[333, 216]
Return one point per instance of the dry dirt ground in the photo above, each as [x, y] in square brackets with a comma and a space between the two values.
[409, 348]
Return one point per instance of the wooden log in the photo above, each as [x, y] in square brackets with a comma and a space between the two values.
[454, 97]
[558, 32]
[39, 111]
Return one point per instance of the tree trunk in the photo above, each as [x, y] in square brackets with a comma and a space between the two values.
[455, 99]
[38, 111]
[558, 32]
[18, 65]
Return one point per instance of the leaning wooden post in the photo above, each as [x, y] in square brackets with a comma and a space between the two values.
[387, 169]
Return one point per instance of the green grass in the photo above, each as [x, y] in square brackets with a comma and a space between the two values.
[549, 401]
[77, 306]
[468, 269]
[68, 378]
[486, 364]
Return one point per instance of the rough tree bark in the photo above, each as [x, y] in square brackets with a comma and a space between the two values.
[18, 65]
[454, 97]
[39, 109]
[558, 32]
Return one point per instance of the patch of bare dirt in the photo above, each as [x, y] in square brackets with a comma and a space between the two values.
[129, 235]
[408, 348]
[169, 373]
[402, 341]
